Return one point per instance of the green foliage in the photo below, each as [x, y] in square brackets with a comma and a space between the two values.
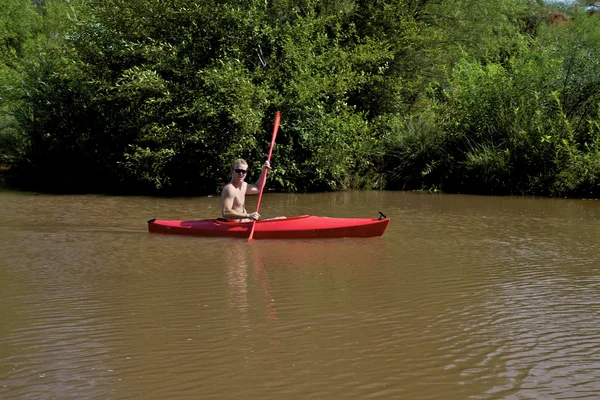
[526, 125]
[154, 96]
[148, 95]
[18, 20]
[416, 154]
[18, 24]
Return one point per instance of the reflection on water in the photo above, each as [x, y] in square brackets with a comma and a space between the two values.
[463, 297]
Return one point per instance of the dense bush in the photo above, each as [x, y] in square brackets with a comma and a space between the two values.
[153, 96]
[527, 125]
[18, 27]
[149, 95]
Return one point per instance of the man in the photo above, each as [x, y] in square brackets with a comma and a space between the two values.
[233, 206]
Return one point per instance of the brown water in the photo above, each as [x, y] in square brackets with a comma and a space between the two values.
[463, 297]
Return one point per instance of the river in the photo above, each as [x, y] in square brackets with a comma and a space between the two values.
[463, 297]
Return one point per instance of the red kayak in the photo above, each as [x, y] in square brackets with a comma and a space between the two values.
[301, 227]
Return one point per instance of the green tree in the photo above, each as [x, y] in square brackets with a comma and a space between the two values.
[18, 27]
[527, 125]
[160, 96]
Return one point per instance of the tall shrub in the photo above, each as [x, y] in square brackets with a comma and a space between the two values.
[528, 125]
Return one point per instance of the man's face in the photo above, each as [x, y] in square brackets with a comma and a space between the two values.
[239, 172]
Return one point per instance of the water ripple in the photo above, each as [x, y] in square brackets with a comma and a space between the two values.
[463, 297]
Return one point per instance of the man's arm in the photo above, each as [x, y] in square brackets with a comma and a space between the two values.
[255, 189]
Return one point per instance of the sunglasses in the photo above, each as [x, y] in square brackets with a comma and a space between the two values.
[240, 171]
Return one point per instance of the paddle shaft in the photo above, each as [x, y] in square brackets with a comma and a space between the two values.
[262, 187]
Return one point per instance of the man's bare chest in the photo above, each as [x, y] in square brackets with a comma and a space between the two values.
[238, 198]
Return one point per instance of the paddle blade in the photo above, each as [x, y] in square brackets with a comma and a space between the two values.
[252, 231]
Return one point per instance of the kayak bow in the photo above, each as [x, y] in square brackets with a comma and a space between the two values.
[300, 227]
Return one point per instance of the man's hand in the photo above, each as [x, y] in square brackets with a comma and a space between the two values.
[254, 215]
[267, 165]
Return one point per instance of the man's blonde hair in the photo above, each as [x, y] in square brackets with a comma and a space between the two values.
[238, 161]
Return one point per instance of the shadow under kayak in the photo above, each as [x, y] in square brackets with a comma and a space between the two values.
[299, 227]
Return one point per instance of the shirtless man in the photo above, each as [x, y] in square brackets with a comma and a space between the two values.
[233, 205]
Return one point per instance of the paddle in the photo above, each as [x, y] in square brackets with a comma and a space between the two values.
[275, 128]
